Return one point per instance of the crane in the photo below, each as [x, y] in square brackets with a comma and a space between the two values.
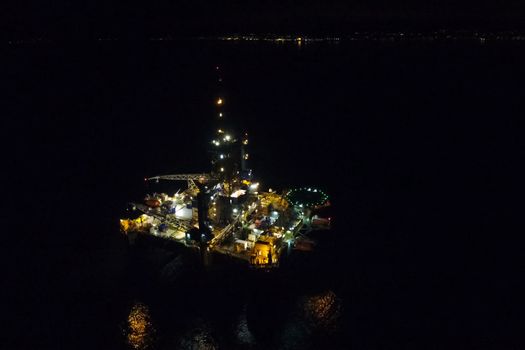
[190, 178]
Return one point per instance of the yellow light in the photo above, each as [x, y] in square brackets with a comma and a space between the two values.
[219, 101]
[222, 169]
[220, 114]
[323, 309]
[227, 137]
[140, 331]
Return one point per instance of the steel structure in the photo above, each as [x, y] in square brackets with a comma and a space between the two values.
[179, 224]
[222, 202]
[182, 177]
[190, 178]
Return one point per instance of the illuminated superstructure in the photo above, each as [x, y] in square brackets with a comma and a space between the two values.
[228, 149]
[222, 211]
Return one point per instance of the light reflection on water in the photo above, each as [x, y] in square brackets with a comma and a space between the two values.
[139, 330]
[315, 315]
[198, 337]
[322, 311]
[316, 318]
[242, 332]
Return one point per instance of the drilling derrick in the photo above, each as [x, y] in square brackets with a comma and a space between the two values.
[222, 211]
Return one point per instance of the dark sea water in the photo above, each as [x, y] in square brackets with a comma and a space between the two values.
[416, 143]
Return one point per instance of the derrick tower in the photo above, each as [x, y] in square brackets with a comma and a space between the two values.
[228, 149]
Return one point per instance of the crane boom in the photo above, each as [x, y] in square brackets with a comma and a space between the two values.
[181, 177]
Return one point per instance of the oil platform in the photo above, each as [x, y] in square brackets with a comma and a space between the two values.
[225, 212]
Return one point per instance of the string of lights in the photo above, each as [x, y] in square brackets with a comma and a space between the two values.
[306, 197]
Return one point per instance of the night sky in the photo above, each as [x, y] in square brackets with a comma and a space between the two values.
[423, 139]
[62, 19]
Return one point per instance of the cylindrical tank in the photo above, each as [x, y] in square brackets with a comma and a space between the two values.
[182, 212]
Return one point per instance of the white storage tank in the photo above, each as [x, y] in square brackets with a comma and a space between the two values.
[183, 213]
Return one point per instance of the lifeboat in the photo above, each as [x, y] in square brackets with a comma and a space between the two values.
[152, 202]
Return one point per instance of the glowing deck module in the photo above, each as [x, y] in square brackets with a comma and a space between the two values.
[224, 211]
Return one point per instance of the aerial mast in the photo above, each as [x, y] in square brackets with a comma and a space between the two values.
[225, 154]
